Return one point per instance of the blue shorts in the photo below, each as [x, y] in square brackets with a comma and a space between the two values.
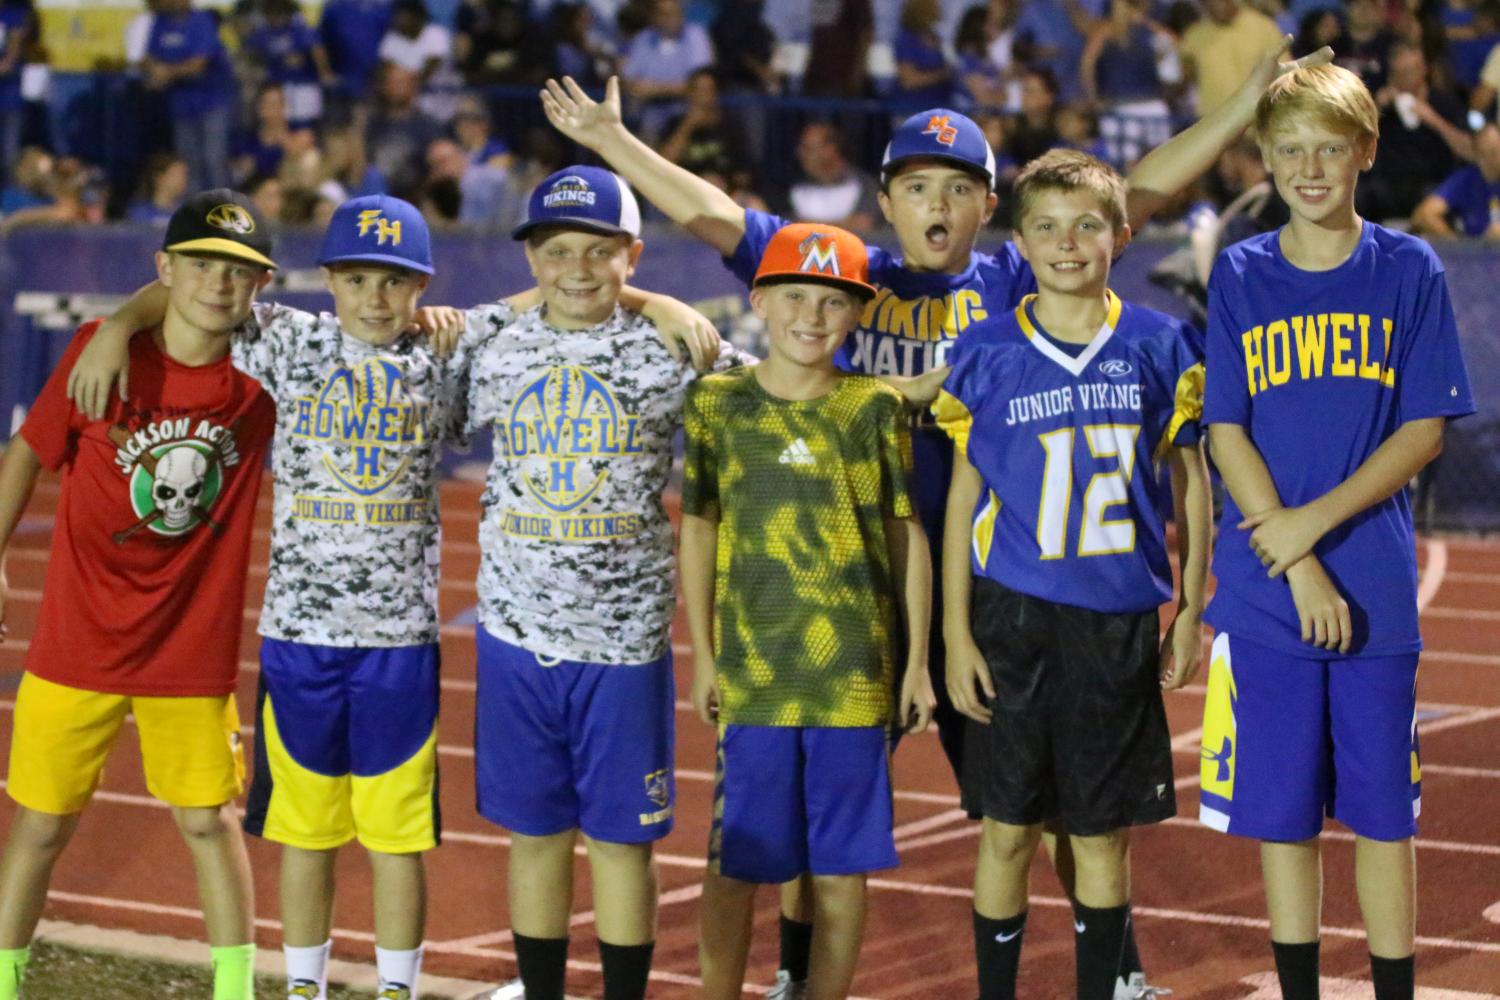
[346, 747]
[562, 745]
[789, 800]
[1289, 739]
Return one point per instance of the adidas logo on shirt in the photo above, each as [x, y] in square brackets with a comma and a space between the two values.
[798, 453]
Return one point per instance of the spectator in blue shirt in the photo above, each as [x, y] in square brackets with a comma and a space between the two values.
[1468, 202]
[1053, 33]
[291, 55]
[979, 83]
[923, 77]
[1120, 76]
[259, 149]
[582, 51]
[351, 31]
[660, 60]
[18, 25]
[186, 61]
[164, 183]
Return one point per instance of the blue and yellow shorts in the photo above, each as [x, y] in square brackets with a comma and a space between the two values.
[346, 747]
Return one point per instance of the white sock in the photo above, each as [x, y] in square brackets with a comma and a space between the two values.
[399, 967]
[309, 965]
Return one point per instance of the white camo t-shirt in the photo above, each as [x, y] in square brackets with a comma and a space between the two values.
[576, 549]
[359, 434]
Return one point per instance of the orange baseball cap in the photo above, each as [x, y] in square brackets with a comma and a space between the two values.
[808, 251]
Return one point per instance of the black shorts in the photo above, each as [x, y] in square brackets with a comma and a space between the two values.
[1079, 730]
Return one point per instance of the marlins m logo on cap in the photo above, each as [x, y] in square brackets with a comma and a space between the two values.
[942, 127]
[230, 218]
[820, 254]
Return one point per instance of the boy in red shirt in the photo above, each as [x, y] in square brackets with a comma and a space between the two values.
[146, 579]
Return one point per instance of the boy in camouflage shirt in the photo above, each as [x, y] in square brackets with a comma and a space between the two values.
[346, 728]
[801, 556]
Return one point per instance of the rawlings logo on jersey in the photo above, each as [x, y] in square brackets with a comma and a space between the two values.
[368, 418]
[176, 473]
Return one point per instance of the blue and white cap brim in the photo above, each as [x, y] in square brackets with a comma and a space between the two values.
[405, 263]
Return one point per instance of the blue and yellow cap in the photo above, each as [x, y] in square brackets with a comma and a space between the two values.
[378, 229]
[940, 134]
[589, 198]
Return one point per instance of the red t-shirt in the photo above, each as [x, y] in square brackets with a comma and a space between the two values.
[145, 587]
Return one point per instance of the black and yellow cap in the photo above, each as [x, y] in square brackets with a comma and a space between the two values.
[222, 222]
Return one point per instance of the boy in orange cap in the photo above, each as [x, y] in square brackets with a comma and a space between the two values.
[802, 563]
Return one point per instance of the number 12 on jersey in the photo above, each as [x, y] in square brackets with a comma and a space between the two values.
[1105, 489]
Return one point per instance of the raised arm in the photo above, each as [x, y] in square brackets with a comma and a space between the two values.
[688, 200]
[1174, 165]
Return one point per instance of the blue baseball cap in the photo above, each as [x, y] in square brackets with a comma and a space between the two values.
[590, 198]
[940, 134]
[378, 229]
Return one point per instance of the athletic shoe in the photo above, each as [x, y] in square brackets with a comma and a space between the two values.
[302, 989]
[512, 990]
[1136, 988]
[394, 991]
[786, 988]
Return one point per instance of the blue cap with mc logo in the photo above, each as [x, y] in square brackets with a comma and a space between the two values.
[378, 229]
[944, 135]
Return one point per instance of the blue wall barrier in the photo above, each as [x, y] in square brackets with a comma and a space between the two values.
[62, 276]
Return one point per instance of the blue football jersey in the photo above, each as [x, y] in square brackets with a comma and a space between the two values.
[909, 327]
[1320, 368]
[1066, 447]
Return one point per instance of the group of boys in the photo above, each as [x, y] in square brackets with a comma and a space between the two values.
[811, 498]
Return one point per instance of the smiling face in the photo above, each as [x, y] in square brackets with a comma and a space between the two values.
[580, 273]
[936, 210]
[806, 321]
[374, 302]
[1315, 167]
[209, 293]
[1068, 239]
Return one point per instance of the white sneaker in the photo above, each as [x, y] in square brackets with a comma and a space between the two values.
[786, 988]
[512, 990]
[1136, 988]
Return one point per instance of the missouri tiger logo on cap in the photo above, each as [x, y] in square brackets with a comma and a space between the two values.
[230, 218]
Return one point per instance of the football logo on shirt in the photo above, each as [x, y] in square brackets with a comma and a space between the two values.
[367, 417]
[175, 472]
[558, 426]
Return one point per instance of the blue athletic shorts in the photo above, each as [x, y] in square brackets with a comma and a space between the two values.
[562, 745]
[1290, 739]
[790, 800]
[346, 747]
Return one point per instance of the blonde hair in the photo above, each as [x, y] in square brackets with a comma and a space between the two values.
[1070, 170]
[1327, 95]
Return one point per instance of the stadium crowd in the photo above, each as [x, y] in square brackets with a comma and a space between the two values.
[431, 100]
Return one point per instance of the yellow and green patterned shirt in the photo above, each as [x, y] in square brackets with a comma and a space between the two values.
[805, 604]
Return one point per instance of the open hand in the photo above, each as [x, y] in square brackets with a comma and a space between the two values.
[577, 115]
[1271, 65]
[968, 676]
[443, 325]
[1321, 609]
[103, 366]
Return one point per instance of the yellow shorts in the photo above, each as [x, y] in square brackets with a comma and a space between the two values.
[190, 747]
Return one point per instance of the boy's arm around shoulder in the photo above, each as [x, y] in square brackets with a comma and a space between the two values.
[688, 200]
[104, 364]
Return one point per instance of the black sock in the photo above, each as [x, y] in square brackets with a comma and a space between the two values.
[997, 946]
[544, 965]
[1395, 978]
[796, 948]
[1297, 970]
[1099, 937]
[626, 969]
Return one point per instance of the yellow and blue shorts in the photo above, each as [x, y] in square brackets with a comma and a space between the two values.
[190, 746]
[1289, 739]
[346, 747]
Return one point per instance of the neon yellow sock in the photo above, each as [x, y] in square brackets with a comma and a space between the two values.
[234, 972]
[12, 971]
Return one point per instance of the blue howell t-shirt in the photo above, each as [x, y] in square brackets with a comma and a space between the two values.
[1320, 368]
